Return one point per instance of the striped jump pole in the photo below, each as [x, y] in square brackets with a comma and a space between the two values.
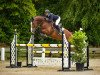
[65, 43]
[13, 51]
[29, 53]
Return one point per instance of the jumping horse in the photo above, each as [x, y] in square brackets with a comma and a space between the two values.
[47, 28]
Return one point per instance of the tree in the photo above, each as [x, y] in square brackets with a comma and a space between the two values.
[85, 14]
[15, 13]
[75, 14]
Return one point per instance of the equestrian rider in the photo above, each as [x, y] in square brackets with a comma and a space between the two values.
[53, 18]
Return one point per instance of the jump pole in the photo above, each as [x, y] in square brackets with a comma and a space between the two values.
[13, 51]
[63, 43]
[29, 58]
[62, 51]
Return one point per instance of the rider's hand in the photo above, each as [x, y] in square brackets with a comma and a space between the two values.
[47, 19]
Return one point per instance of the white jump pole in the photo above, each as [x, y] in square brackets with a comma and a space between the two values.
[43, 54]
[31, 26]
[2, 54]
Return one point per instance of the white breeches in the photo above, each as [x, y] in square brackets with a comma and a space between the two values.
[57, 21]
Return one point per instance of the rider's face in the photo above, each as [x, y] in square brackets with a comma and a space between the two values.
[46, 14]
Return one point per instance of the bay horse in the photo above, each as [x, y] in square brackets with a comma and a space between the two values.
[47, 28]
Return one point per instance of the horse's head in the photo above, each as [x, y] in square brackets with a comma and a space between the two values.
[36, 22]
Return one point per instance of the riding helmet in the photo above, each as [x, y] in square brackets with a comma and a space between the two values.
[47, 11]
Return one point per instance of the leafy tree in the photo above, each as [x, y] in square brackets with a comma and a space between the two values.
[85, 14]
[15, 13]
[75, 14]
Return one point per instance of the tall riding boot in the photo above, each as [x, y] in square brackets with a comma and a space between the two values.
[58, 28]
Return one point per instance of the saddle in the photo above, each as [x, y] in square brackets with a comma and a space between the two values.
[57, 27]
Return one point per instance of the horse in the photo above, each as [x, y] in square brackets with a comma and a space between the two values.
[47, 28]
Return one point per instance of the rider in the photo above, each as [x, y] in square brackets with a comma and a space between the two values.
[53, 18]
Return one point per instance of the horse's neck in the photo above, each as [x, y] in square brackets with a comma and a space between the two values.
[39, 18]
[41, 21]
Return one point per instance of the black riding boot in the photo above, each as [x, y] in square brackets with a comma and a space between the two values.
[58, 28]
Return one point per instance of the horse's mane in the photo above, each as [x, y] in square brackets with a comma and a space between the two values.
[39, 18]
[42, 19]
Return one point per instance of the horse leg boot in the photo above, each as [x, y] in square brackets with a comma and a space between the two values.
[42, 34]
